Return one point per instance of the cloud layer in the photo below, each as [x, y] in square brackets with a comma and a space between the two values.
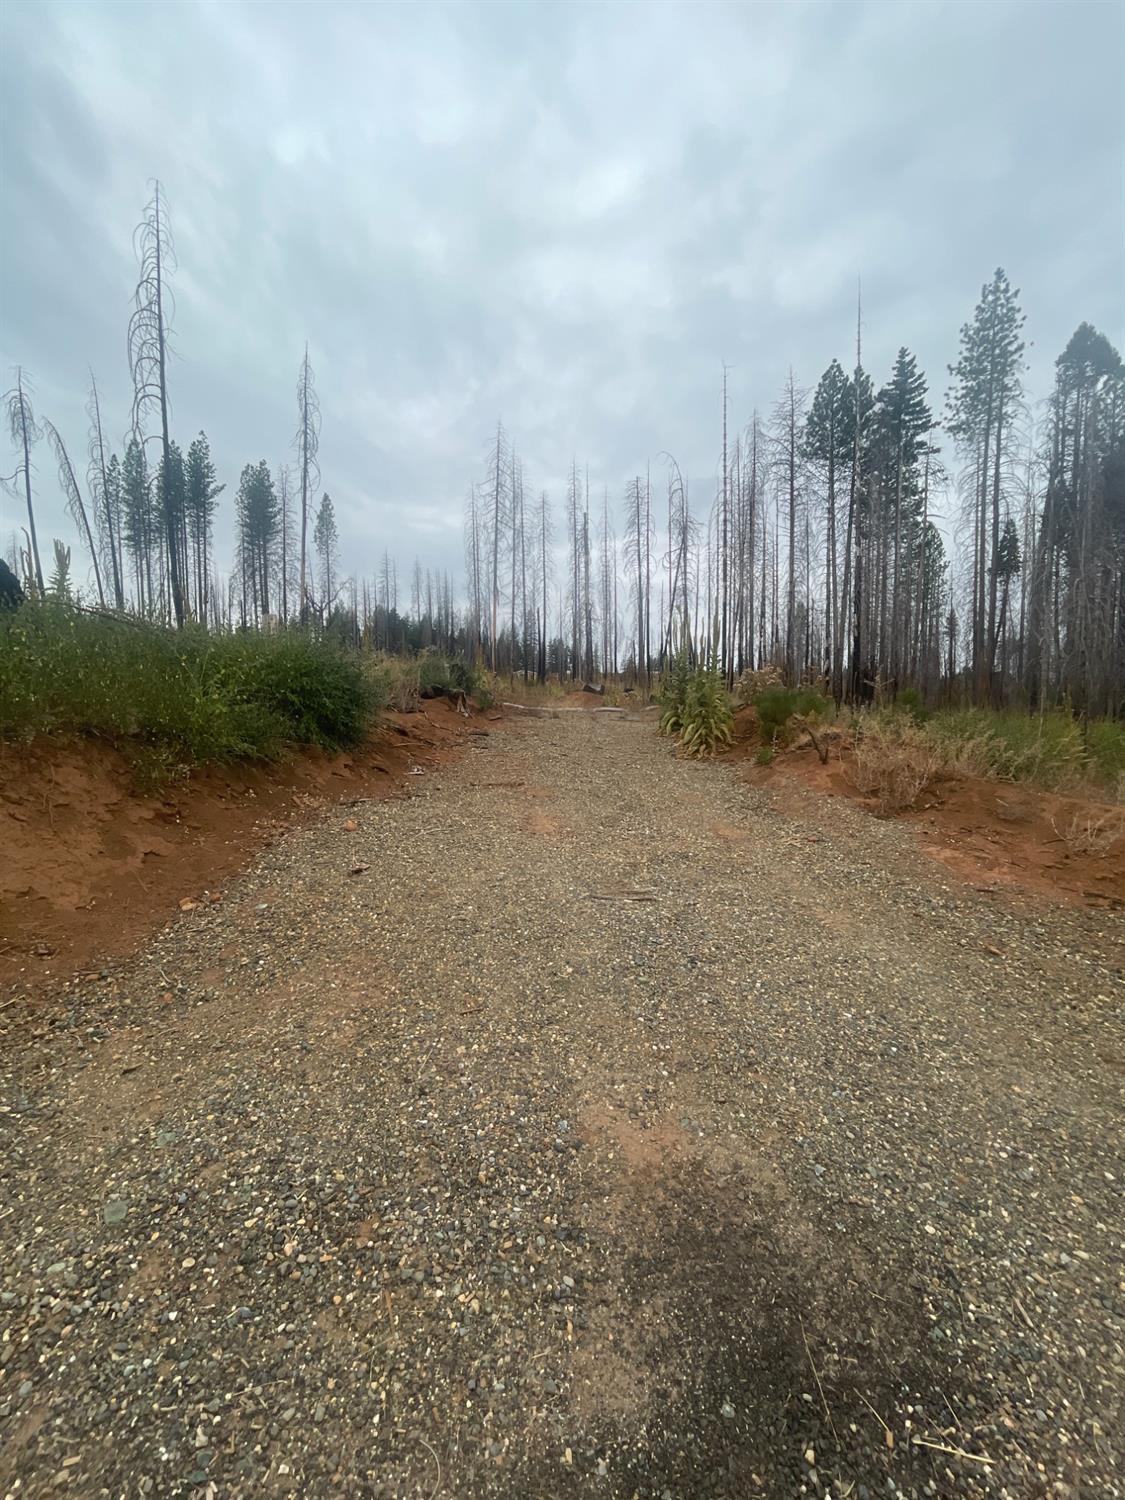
[567, 216]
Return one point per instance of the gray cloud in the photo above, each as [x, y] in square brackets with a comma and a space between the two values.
[567, 216]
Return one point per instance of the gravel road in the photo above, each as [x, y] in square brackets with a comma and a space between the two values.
[587, 1122]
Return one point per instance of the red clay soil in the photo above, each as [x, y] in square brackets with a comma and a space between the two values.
[88, 866]
[996, 835]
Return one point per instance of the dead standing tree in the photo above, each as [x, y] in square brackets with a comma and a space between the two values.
[307, 443]
[74, 503]
[499, 503]
[104, 494]
[25, 432]
[148, 367]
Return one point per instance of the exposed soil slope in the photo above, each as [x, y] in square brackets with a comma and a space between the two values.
[89, 865]
[996, 835]
[615, 1132]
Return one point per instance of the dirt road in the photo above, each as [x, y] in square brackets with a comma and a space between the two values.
[586, 1123]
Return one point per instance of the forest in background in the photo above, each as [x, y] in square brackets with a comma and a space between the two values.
[827, 549]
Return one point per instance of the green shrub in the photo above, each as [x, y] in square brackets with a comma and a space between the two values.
[776, 706]
[764, 755]
[177, 697]
[472, 679]
[433, 673]
[1053, 750]
[909, 701]
[1105, 747]
[706, 720]
[674, 688]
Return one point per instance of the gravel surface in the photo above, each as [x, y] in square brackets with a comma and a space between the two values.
[587, 1122]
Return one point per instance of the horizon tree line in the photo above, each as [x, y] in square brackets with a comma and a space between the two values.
[819, 555]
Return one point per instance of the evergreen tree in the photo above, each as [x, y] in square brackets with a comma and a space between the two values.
[111, 507]
[1076, 634]
[983, 405]
[171, 495]
[60, 578]
[201, 493]
[137, 520]
[827, 446]
[326, 540]
[902, 420]
[258, 516]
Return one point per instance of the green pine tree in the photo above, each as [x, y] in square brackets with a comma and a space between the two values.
[326, 539]
[201, 494]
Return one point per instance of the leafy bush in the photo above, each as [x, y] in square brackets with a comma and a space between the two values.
[674, 694]
[474, 680]
[695, 707]
[764, 755]
[909, 701]
[776, 706]
[177, 697]
[396, 680]
[706, 721]
[403, 681]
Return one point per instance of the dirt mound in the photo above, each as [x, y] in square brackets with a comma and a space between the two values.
[994, 834]
[89, 864]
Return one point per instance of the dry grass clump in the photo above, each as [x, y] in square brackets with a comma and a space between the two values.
[894, 763]
[1093, 833]
[754, 681]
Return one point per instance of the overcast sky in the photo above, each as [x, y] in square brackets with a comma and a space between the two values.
[567, 216]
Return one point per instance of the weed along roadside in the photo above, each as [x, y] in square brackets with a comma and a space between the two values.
[712, 1198]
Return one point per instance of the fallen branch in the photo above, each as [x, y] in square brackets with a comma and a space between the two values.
[820, 746]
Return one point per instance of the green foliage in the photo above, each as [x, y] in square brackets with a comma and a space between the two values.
[59, 586]
[470, 678]
[1014, 746]
[695, 706]
[776, 706]
[326, 541]
[395, 681]
[177, 698]
[1053, 750]
[402, 681]
[764, 755]
[909, 701]
[674, 688]
[1105, 748]
[707, 719]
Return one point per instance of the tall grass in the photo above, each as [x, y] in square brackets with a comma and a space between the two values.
[1054, 750]
[900, 752]
[401, 682]
[177, 698]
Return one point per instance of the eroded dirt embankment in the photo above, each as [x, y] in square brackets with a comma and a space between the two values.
[89, 864]
[995, 835]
